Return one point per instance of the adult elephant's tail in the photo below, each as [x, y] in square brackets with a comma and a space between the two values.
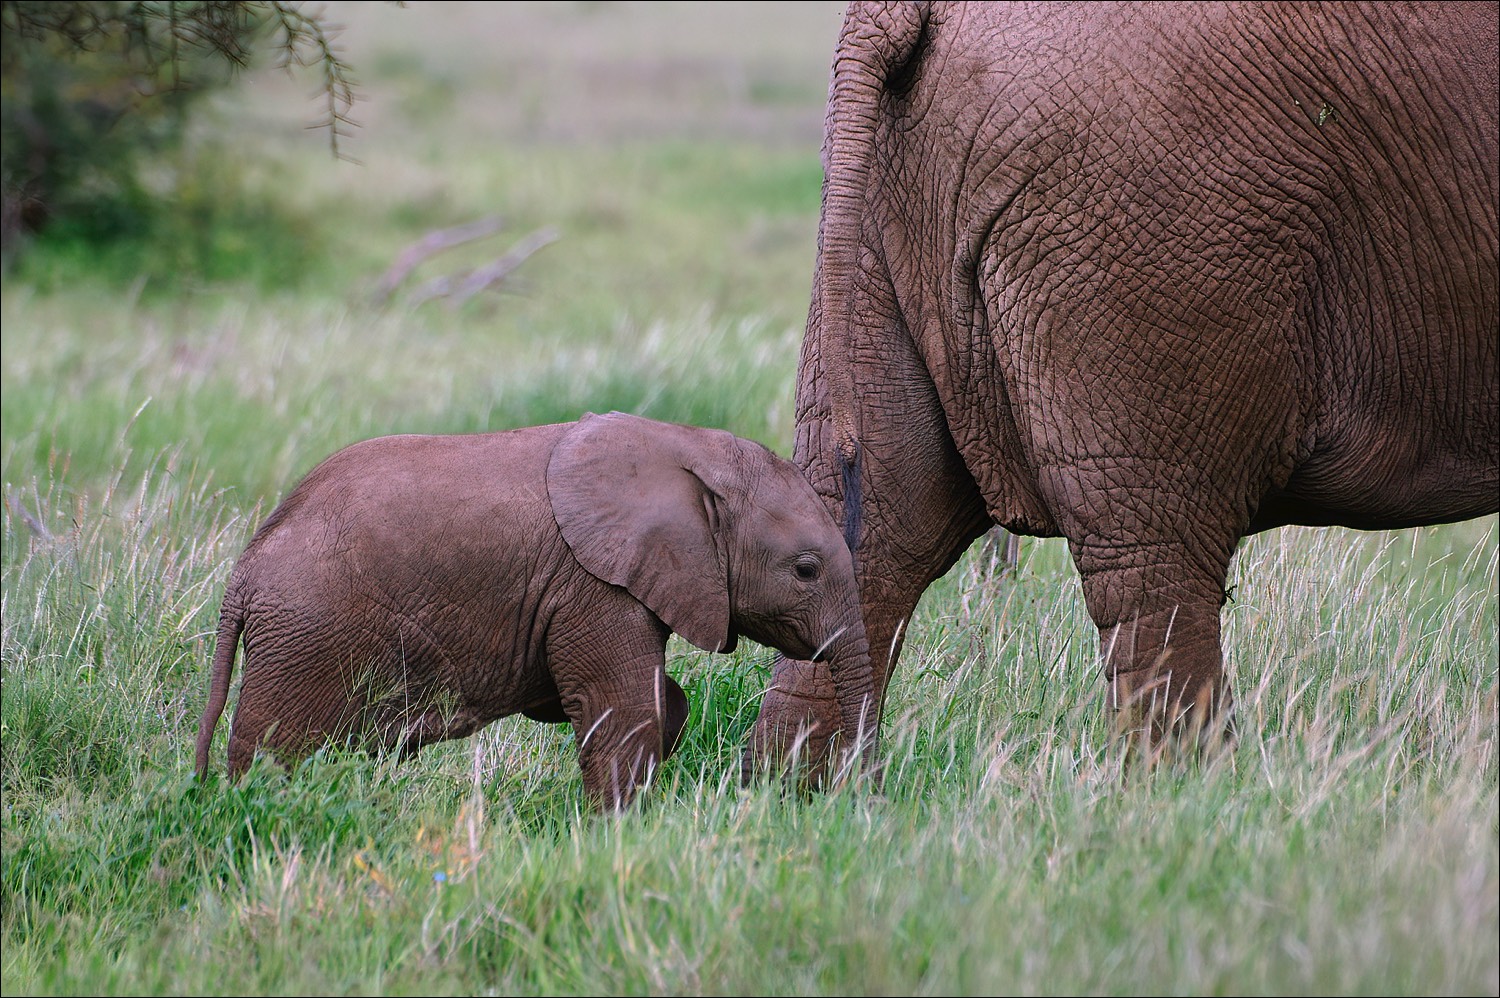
[875, 45]
[231, 626]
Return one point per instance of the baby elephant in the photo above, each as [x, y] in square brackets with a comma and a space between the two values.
[415, 588]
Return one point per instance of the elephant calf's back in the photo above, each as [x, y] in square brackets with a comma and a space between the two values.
[403, 574]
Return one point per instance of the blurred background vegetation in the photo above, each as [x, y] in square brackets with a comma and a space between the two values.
[233, 270]
[98, 97]
[164, 147]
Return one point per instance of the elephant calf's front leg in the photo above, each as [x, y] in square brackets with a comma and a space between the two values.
[624, 730]
[627, 713]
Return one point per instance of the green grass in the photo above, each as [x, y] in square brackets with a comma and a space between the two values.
[1348, 843]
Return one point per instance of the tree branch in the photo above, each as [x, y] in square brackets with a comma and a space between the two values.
[460, 291]
[434, 242]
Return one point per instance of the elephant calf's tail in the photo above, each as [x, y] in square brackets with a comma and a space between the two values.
[231, 625]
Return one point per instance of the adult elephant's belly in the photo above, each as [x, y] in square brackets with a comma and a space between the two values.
[1385, 482]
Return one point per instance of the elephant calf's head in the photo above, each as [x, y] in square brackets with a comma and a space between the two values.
[715, 535]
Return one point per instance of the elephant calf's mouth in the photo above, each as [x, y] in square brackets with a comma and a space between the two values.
[825, 652]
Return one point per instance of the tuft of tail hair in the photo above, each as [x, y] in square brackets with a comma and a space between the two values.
[853, 496]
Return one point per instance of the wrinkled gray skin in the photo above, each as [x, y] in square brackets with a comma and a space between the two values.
[415, 588]
[1151, 279]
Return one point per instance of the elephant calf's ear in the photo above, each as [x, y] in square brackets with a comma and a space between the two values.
[635, 515]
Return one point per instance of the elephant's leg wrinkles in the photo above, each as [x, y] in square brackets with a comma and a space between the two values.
[1156, 606]
[623, 732]
[798, 715]
[626, 713]
[1165, 673]
[920, 511]
[292, 700]
[288, 727]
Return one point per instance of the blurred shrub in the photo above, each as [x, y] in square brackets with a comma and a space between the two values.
[94, 106]
[223, 221]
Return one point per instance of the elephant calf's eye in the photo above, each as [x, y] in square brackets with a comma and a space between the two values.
[807, 569]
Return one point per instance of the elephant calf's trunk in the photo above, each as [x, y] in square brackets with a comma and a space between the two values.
[817, 723]
[854, 682]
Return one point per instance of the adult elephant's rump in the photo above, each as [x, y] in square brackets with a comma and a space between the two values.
[1149, 278]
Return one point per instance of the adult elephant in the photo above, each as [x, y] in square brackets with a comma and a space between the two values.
[1150, 278]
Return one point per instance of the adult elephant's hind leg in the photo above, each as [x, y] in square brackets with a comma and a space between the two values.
[1155, 591]
[1163, 661]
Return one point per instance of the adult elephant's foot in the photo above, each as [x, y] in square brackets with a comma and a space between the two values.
[794, 735]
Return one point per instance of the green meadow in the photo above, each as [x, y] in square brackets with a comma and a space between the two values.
[159, 395]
